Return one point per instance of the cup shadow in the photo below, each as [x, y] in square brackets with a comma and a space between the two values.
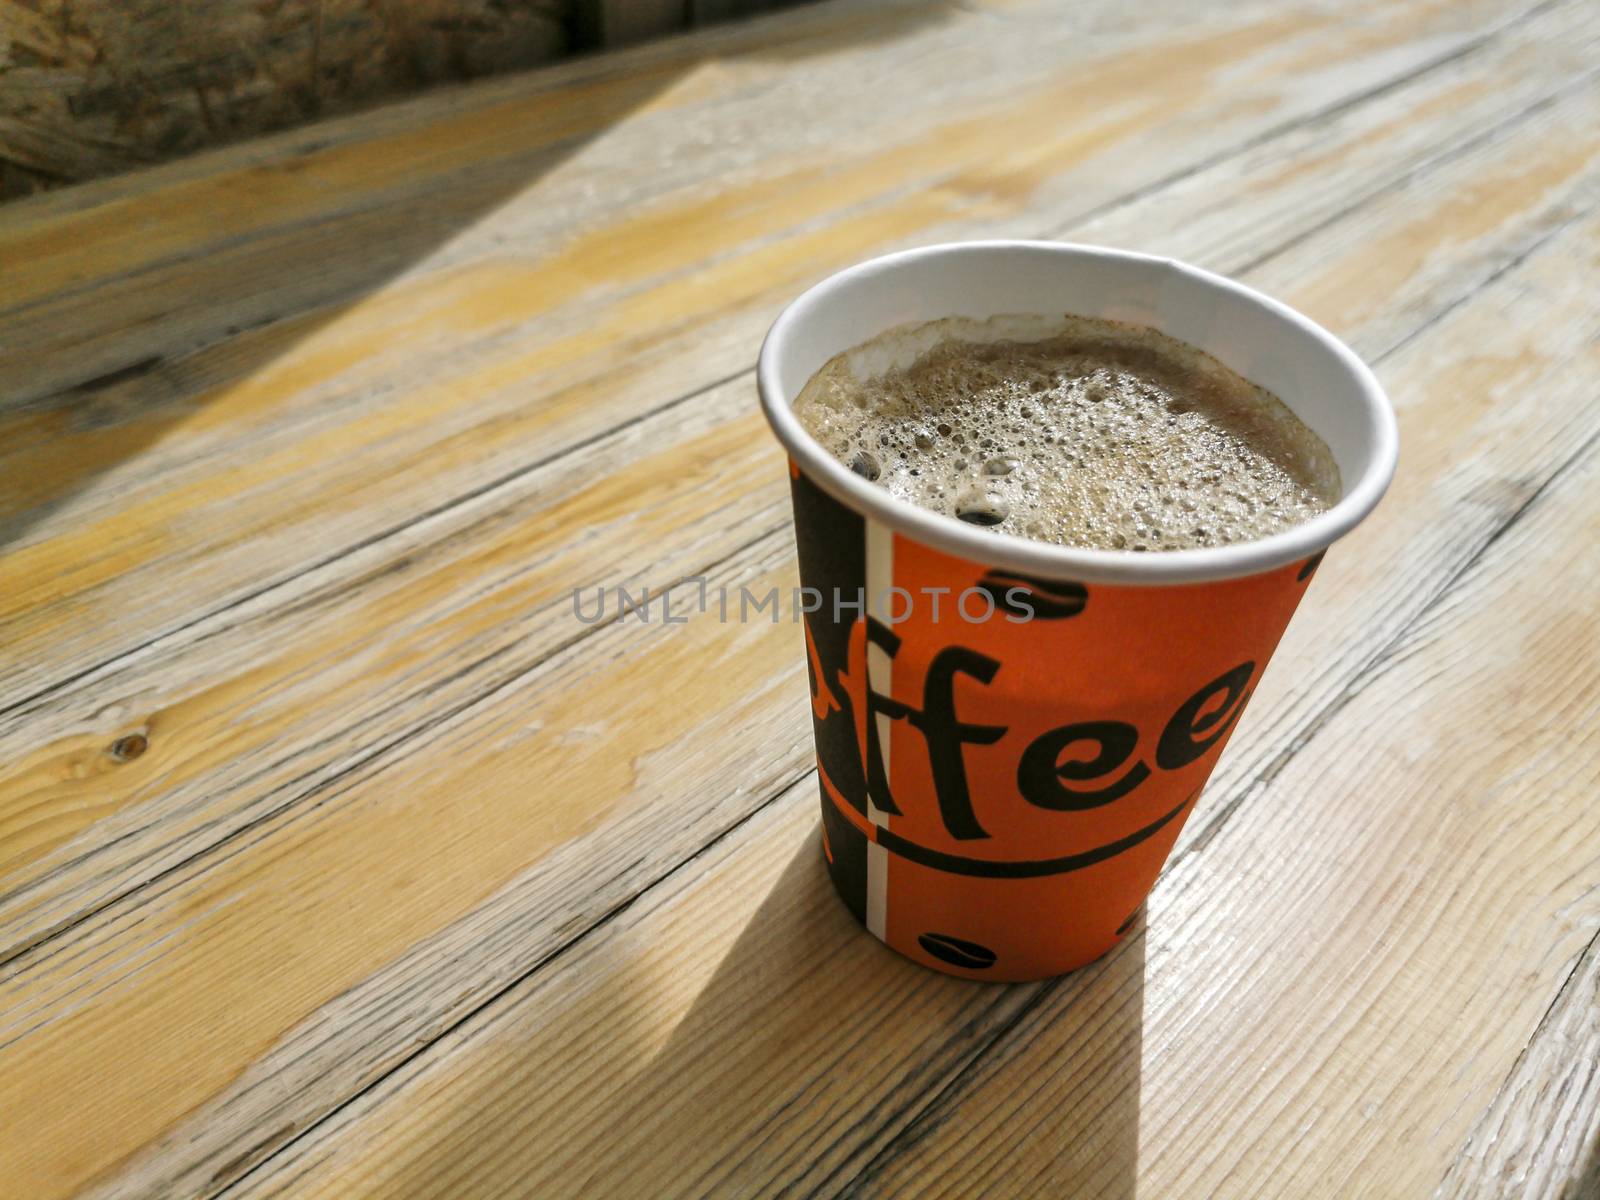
[1010, 1089]
[737, 1033]
[85, 387]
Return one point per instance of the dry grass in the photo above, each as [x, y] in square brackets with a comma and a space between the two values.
[90, 87]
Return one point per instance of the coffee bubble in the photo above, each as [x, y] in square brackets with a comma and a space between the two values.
[1098, 434]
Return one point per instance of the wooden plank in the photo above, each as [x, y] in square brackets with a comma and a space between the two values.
[1540, 1135]
[479, 593]
[1446, 221]
[58, 791]
[201, 478]
[1373, 986]
[293, 691]
[277, 1029]
[733, 1033]
[457, 157]
[655, 1057]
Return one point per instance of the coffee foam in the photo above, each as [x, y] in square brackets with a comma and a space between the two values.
[1076, 431]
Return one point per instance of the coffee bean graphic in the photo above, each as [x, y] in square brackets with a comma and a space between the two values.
[957, 951]
[1045, 599]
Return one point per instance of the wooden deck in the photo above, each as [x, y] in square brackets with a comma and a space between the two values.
[337, 858]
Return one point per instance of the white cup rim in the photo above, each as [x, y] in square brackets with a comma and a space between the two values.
[1361, 493]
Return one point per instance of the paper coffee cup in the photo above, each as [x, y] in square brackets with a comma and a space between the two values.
[1011, 734]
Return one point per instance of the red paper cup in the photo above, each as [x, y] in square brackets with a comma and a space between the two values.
[1011, 734]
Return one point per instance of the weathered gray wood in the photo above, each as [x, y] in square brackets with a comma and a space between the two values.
[380, 1018]
[1326, 987]
[1540, 1136]
[845, 1070]
[383, 797]
[304, 724]
[205, 467]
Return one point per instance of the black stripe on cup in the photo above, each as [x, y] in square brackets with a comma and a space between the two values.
[830, 542]
[1311, 564]
[958, 952]
[846, 857]
[987, 868]
[1046, 599]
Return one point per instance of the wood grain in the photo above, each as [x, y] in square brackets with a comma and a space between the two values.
[1538, 1135]
[736, 991]
[1373, 986]
[343, 858]
[82, 826]
[139, 497]
[369, 1009]
[745, 1027]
